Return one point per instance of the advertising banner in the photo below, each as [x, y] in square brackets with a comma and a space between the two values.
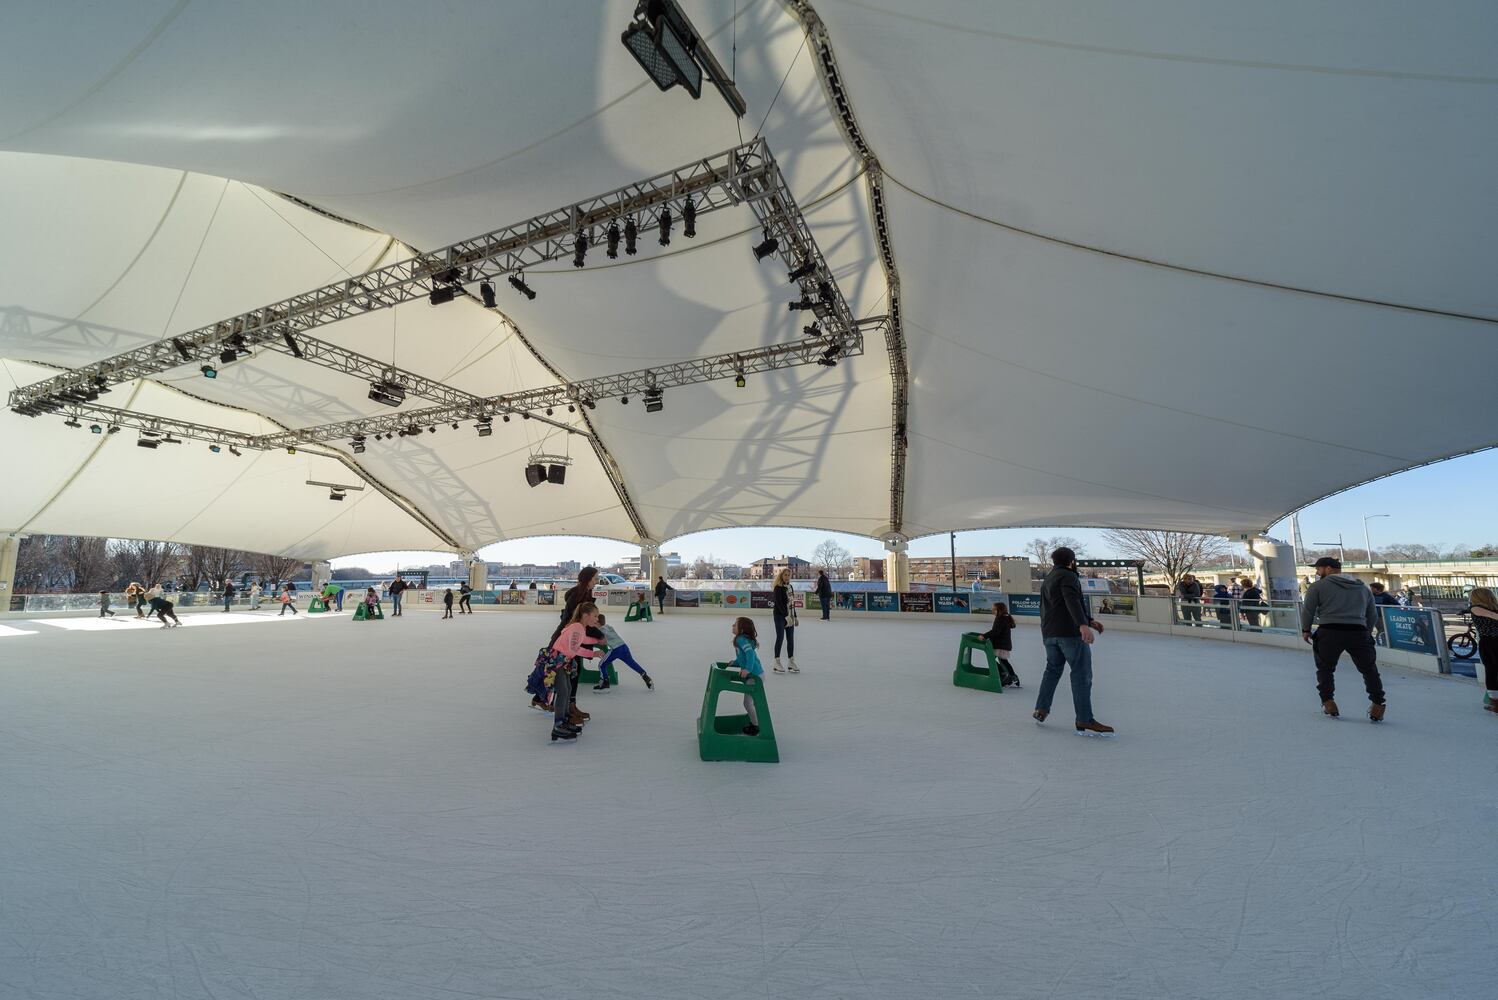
[512, 596]
[1410, 629]
[1124, 605]
[849, 601]
[708, 598]
[546, 597]
[952, 604]
[688, 599]
[1024, 605]
[884, 602]
[809, 600]
[981, 602]
[619, 598]
[915, 602]
[738, 599]
[759, 599]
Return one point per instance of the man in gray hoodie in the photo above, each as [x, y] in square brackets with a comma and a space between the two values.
[1342, 608]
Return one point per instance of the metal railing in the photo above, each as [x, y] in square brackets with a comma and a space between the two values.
[1274, 617]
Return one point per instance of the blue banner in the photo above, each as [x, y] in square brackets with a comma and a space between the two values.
[1024, 605]
[1410, 629]
[952, 604]
[884, 602]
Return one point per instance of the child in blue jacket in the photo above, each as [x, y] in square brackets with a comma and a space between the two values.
[745, 657]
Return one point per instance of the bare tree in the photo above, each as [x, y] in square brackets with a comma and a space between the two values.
[833, 558]
[206, 562]
[677, 573]
[702, 569]
[39, 565]
[86, 564]
[274, 569]
[1174, 553]
[1039, 550]
[147, 562]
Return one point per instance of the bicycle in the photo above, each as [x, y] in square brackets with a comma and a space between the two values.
[1463, 645]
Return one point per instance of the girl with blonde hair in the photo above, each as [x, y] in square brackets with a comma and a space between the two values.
[784, 613]
[1485, 621]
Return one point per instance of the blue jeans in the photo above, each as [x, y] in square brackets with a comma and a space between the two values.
[395, 600]
[1058, 653]
[621, 653]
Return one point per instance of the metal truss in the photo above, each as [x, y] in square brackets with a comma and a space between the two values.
[832, 83]
[745, 174]
[578, 395]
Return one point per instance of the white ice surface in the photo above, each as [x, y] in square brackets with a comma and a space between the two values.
[336, 810]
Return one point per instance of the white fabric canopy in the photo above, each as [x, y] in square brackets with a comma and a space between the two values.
[1160, 266]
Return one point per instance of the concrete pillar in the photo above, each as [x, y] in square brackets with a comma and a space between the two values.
[1274, 563]
[478, 573]
[9, 546]
[1014, 576]
[322, 572]
[897, 564]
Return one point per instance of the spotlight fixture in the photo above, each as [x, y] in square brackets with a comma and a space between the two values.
[630, 232]
[209, 371]
[95, 429]
[803, 303]
[525, 416]
[689, 219]
[815, 330]
[671, 51]
[829, 356]
[739, 380]
[455, 425]
[387, 391]
[824, 291]
[113, 429]
[653, 401]
[665, 220]
[235, 451]
[485, 427]
[237, 342]
[431, 430]
[624, 400]
[291, 344]
[590, 404]
[486, 291]
[613, 240]
[805, 270]
[72, 422]
[556, 474]
[769, 246]
[182, 349]
[548, 411]
[336, 494]
[357, 444]
[214, 448]
[517, 282]
[147, 442]
[291, 449]
[451, 276]
[441, 295]
[579, 248]
[506, 418]
[227, 356]
[571, 408]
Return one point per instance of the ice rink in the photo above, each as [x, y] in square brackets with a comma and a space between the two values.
[319, 809]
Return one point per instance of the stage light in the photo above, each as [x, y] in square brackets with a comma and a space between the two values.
[227, 356]
[689, 219]
[182, 349]
[829, 356]
[739, 380]
[485, 427]
[291, 344]
[579, 248]
[613, 240]
[291, 449]
[388, 392]
[441, 295]
[455, 425]
[235, 451]
[114, 429]
[665, 226]
[624, 400]
[238, 342]
[148, 442]
[71, 422]
[431, 430]
[653, 401]
[769, 246]
[590, 404]
[214, 448]
[824, 291]
[517, 282]
[815, 330]
[209, 371]
[336, 494]
[535, 474]
[809, 268]
[486, 291]
[506, 418]
[571, 408]
[801, 304]
[451, 276]
[548, 411]
[525, 416]
[95, 429]
[357, 444]
[630, 232]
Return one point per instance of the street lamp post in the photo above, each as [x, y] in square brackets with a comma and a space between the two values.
[1367, 545]
[1341, 552]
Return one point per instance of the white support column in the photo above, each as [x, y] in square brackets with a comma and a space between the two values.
[9, 547]
[478, 573]
[897, 565]
[322, 572]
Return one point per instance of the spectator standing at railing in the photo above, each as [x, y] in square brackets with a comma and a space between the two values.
[1342, 609]
[1381, 599]
[228, 593]
[256, 592]
[1251, 601]
[1223, 598]
[1190, 593]
[660, 592]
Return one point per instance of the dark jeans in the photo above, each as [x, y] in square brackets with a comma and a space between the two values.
[1488, 650]
[395, 602]
[228, 599]
[661, 600]
[1327, 646]
[463, 604]
[787, 634]
[1059, 653]
[561, 697]
[827, 608]
[1191, 614]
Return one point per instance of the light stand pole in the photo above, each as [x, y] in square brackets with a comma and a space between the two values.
[1341, 552]
[954, 562]
[1367, 545]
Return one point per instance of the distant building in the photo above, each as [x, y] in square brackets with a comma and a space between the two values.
[570, 567]
[769, 567]
[938, 569]
[867, 569]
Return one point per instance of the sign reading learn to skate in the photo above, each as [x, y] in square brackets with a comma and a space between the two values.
[1410, 629]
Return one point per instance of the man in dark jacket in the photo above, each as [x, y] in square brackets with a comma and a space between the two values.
[397, 588]
[1189, 590]
[824, 595]
[1342, 609]
[1068, 630]
[228, 593]
[660, 592]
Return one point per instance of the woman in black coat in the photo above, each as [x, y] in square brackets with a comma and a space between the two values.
[824, 594]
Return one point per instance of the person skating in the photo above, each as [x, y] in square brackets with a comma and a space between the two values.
[555, 674]
[135, 597]
[256, 592]
[287, 601]
[824, 595]
[579, 594]
[1068, 631]
[447, 603]
[1485, 623]
[161, 607]
[1000, 636]
[104, 611]
[751, 671]
[660, 592]
[397, 588]
[783, 612]
[1342, 609]
[465, 594]
[228, 593]
[618, 650]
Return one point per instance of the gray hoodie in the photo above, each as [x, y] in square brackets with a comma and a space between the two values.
[1338, 599]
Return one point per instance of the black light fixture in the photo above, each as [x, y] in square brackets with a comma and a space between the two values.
[441, 295]
[209, 371]
[357, 444]
[227, 356]
[486, 292]
[590, 404]
[95, 429]
[805, 270]
[506, 418]
[387, 391]
[525, 416]
[147, 442]
[613, 240]
[336, 494]
[689, 219]
[431, 430]
[829, 356]
[665, 221]
[535, 474]
[804, 302]
[291, 344]
[739, 380]
[671, 51]
[234, 451]
[624, 400]
[548, 411]
[451, 276]
[485, 426]
[214, 448]
[579, 248]
[517, 282]
[653, 401]
[630, 232]
[824, 291]
[182, 349]
[815, 330]
[571, 408]
[72, 422]
[113, 429]
[291, 449]
[769, 246]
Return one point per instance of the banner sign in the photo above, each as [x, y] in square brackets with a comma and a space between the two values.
[883, 602]
[620, 598]
[737, 599]
[688, 599]
[915, 602]
[982, 601]
[1409, 629]
[952, 604]
[760, 599]
[1024, 605]
[546, 597]
[512, 596]
[1118, 604]
[850, 601]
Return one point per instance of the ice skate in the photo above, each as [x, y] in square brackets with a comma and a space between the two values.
[538, 704]
[1095, 728]
[1376, 713]
[777, 667]
[648, 682]
[1329, 707]
[602, 685]
[576, 717]
[791, 665]
[1039, 715]
[562, 733]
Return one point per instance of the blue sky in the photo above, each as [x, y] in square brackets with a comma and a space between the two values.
[1442, 505]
